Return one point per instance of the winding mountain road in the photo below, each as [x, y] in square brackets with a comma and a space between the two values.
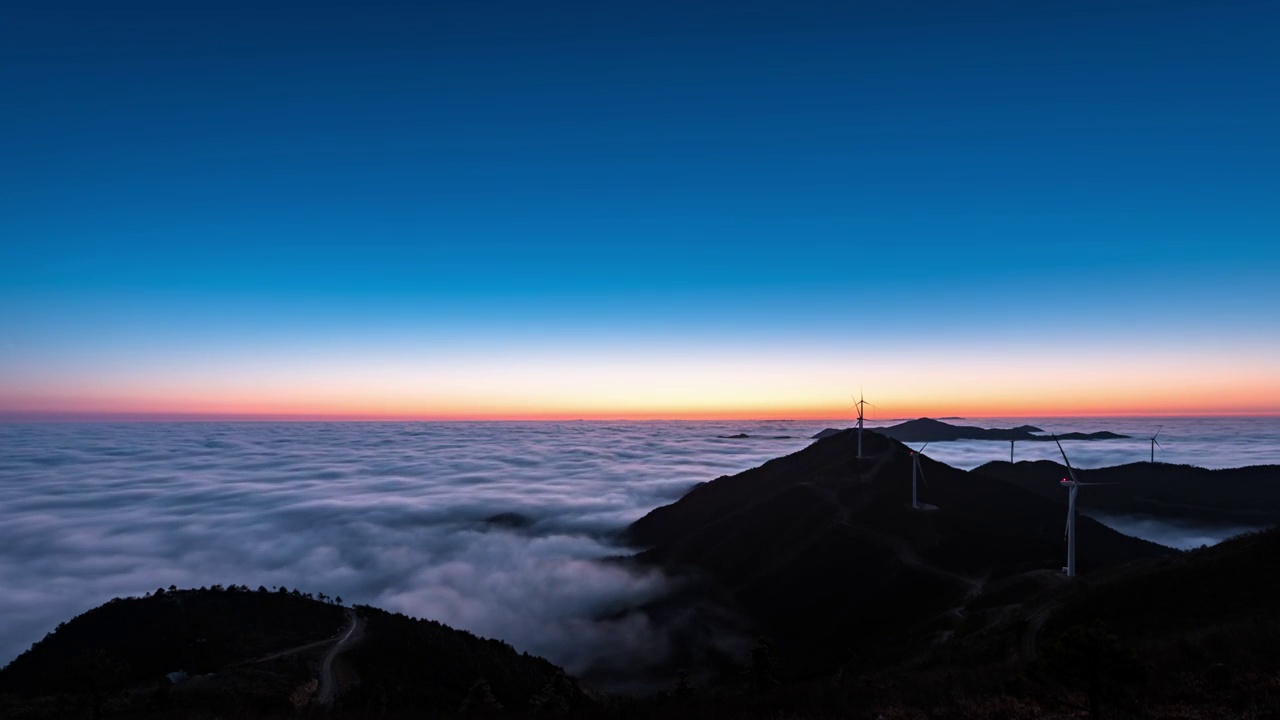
[328, 688]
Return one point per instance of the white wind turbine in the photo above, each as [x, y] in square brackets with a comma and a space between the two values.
[1073, 488]
[1154, 443]
[916, 470]
[860, 404]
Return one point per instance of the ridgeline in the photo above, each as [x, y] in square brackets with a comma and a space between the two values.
[930, 430]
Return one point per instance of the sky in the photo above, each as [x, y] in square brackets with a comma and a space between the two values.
[645, 210]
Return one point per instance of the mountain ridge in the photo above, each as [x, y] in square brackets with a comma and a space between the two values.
[776, 538]
[930, 430]
[1249, 494]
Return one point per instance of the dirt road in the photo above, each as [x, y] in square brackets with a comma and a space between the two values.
[328, 689]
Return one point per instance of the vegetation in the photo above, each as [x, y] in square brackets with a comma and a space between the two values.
[233, 652]
[410, 665]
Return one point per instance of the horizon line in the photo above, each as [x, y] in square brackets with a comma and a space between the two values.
[18, 417]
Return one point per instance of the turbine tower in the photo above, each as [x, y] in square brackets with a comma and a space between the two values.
[1154, 443]
[1011, 452]
[1073, 488]
[916, 470]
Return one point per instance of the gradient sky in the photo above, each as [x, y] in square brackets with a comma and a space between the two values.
[650, 209]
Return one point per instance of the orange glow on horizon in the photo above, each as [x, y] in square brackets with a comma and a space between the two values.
[678, 388]
[831, 412]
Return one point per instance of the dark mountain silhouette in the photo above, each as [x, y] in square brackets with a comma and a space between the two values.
[1197, 634]
[822, 552]
[928, 430]
[242, 653]
[1211, 588]
[1187, 635]
[1247, 495]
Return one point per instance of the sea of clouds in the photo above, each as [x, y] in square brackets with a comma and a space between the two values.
[388, 514]
[397, 515]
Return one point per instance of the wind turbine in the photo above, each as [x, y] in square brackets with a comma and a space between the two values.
[916, 470]
[1154, 444]
[861, 406]
[1073, 488]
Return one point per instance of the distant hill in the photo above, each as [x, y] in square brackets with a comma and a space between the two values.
[240, 653]
[928, 430]
[822, 552]
[1247, 495]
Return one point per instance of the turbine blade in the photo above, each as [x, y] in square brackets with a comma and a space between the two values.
[1157, 442]
[921, 469]
[922, 447]
[1070, 469]
[1158, 429]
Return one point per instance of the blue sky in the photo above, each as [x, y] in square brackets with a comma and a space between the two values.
[370, 182]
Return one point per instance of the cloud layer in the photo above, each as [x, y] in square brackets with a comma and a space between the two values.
[394, 515]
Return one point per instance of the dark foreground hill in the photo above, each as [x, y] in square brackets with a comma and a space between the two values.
[822, 553]
[1191, 635]
[1247, 495]
[240, 653]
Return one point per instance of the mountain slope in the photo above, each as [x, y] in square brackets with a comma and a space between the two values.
[263, 654]
[1249, 495]
[822, 550]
